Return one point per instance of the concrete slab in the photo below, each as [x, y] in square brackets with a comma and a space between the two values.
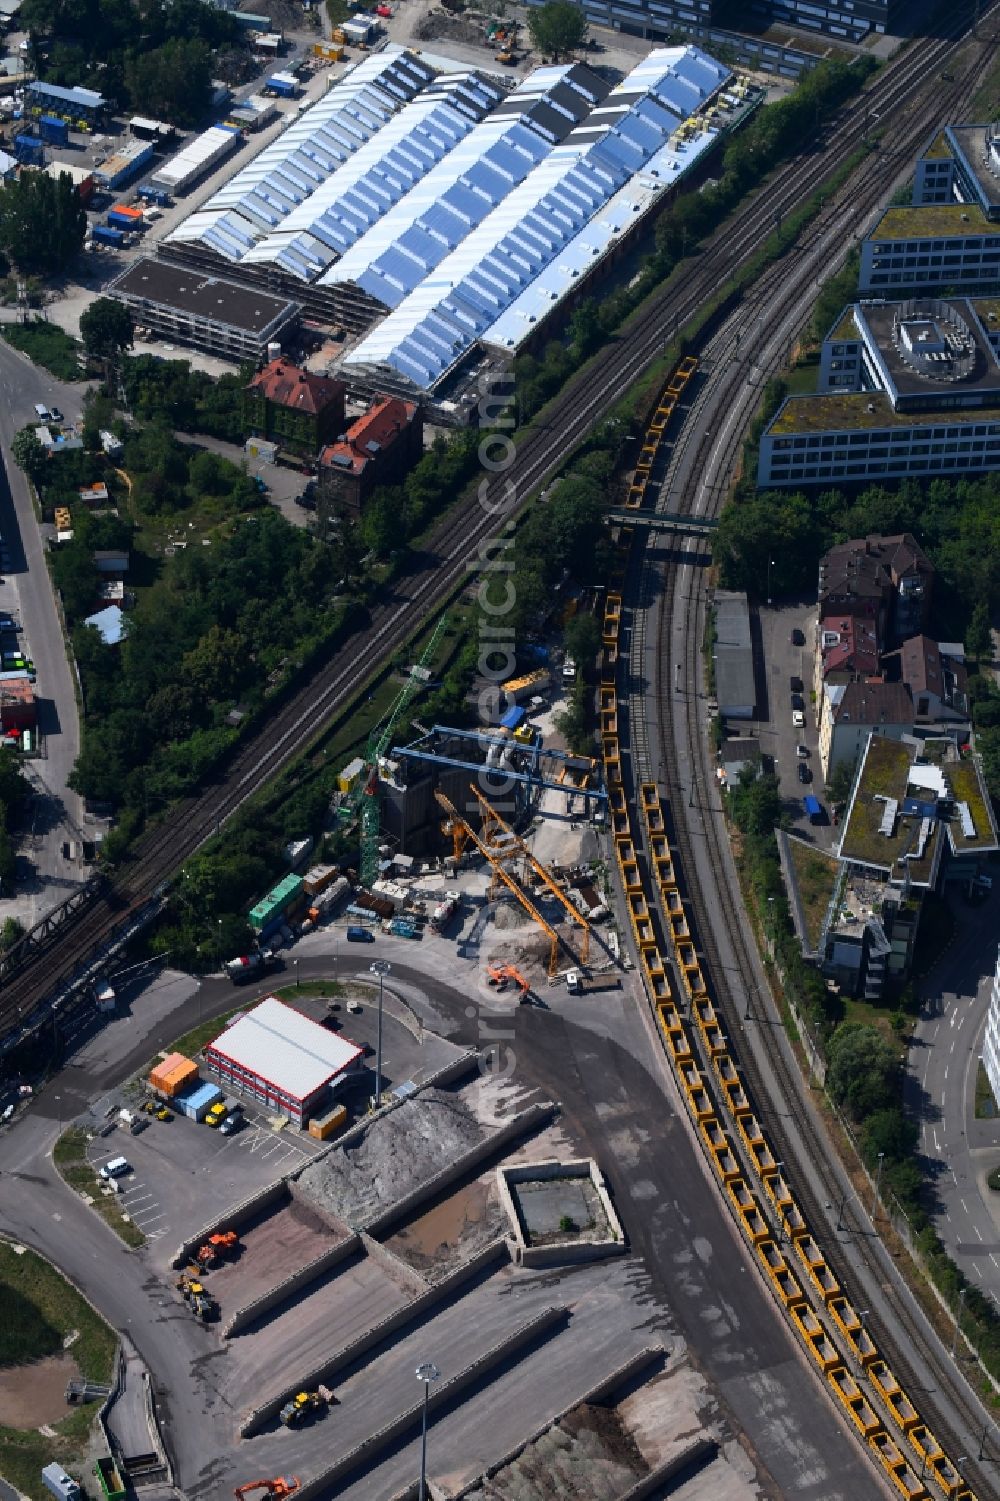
[542, 1206]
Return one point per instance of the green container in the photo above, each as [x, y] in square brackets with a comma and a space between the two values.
[111, 1482]
[275, 903]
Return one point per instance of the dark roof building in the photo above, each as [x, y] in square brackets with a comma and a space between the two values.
[378, 449]
[937, 681]
[884, 579]
[237, 322]
[294, 407]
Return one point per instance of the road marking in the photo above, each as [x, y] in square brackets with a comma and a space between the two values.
[946, 1067]
[937, 1144]
[978, 1231]
[964, 1205]
[943, 1094]
[148, 1219]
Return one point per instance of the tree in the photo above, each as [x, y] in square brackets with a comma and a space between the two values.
[106, 328]
[29, 454]
[582, 639]
[862, 1070]
[557, 27]
[978, 638]
[838, 788]
[173, 81]
[42, 222]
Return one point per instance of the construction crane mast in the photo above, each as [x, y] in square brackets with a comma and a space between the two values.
[364, 800]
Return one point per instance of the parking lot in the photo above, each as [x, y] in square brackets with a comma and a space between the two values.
[184, 1173]
[786, 660]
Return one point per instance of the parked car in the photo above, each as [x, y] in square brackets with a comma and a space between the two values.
[798, 638]
[795, 684]
[801, 750]
[798, 702]
[805, 775]
[798, 719]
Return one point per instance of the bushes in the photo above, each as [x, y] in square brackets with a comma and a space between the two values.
[48, 346]
[170, 392]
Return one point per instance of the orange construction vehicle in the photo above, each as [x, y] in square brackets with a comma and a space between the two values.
[223, 1243]
[277, 1489]
[499, 975]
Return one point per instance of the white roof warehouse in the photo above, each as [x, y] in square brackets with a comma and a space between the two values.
[282, 1058]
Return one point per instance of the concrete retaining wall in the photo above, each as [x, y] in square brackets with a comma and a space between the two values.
[410, 1313]
[699, 1451]
[381, 1221]
[264, 1198]
[394, 1266]
[584, 1248]
[624, 1373]
[298, 1279]
[444, 1392]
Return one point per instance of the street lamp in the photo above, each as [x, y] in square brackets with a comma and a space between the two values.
[295, 962]
[381, 967]
[426, 1372]
[770, 565]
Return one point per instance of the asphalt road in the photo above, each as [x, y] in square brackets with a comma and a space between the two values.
[595, 1055]
[59, 815]
[941, 1090]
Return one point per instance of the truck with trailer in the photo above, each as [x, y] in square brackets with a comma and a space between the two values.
[813, 808]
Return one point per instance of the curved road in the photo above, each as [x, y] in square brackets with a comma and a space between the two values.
[597, 1056]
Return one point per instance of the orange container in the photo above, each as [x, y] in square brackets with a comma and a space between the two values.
[170, 1076]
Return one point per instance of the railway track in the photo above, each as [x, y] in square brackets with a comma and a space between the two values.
[29, 978]
[649, 754]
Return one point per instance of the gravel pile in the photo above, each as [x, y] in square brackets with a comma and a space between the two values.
[395, 1155]
[587, 1455]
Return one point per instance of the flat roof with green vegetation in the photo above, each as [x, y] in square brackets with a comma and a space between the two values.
[965, 779]
[933, 221]
[885, 774]
[815, 875]
[845, 327]
[850, 410]
[987, 310]
[939, 148]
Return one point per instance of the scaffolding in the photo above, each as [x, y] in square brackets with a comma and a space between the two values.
[508, 879]
[506, 845]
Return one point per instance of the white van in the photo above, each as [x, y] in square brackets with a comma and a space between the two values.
[41, 412]
[116, 1168]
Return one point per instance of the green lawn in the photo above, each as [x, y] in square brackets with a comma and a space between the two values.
[71, 1160]
[45, 344]
[312, 987]
[38, 1303]
[986, 1105]
[815, 877]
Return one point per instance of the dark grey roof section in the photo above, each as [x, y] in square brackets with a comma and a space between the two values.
[202, 296]
[735, 688]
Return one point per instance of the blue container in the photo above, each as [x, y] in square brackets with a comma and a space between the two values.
[282, 87]
[29, 149]
[154, 195]
[122, 221]
[53, 129]
[107, 236]
[196, 1101]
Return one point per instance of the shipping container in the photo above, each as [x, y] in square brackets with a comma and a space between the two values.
[278, 901]
[283, 86]
[133, 215]
[107, 235]
[323, 1126]
[118, 220]
[54, 130]
[55, 1479]
[173, 1074]
[29, 149]
[154, 195]
[318, 878]
[347, 780]
[196, 1101]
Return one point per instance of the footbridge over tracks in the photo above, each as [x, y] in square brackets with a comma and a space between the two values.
[664, 521]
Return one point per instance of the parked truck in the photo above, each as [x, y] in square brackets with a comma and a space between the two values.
[110, 1479]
